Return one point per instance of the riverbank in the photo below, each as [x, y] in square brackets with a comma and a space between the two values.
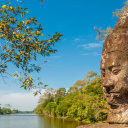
[85, 122]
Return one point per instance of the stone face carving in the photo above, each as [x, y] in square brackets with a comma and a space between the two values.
[114, 69]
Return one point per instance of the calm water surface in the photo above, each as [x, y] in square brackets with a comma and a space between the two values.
[35, 121]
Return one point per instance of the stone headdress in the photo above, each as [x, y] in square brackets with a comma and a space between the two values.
[118, 40]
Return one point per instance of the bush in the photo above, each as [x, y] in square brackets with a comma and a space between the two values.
[102, 116]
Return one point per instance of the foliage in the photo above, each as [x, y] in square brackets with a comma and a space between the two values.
[58, 100]
[118, 12]
[102, 116]
[22, 43]
[61, 92]
[47, 96]
[84, 101]
[7, 110]
[102, 34]
[50, 107]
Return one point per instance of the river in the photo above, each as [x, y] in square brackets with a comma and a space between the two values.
[34, 121]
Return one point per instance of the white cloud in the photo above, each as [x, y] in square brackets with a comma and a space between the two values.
[77, 39]
[20, 101]
[91, 45]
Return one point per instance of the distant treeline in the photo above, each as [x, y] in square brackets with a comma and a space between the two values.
[7, 110]
[84, 101]
[25, 111]
[4, 111]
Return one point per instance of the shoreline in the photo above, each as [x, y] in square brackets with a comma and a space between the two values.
[65, 118]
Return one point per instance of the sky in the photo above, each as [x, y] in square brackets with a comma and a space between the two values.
[78, 50]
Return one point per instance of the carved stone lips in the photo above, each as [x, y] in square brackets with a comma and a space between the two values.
[112, 93]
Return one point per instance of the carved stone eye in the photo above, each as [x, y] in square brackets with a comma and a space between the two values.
[116, 71]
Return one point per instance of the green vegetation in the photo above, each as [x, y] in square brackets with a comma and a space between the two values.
[22, 43]
[4, 111]
[84, 101]
[24, 111]
[7, 110]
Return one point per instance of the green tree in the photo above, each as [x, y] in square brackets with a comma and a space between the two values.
[39, 109]
[51, 109]
[65, 104]
[48, 95]
[80, 85]
[45, 103]
[58, 100]
[22, 43]
[0, 109]
[77, 110]
[84, 101]
[61, 92]
[62, 109]
[73, 90]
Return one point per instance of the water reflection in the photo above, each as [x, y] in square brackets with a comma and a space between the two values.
[59, 123]
[35, 121]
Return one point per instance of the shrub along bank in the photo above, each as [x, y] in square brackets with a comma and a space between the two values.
[84, 101]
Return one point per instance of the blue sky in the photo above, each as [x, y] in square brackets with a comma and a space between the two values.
[78, 50]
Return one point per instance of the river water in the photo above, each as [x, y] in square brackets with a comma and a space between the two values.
[35, 121]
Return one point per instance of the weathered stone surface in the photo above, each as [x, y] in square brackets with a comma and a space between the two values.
[114, 69]
[104, 125]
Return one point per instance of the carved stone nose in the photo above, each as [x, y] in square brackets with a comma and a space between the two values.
[108, 85]
[108, 89]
